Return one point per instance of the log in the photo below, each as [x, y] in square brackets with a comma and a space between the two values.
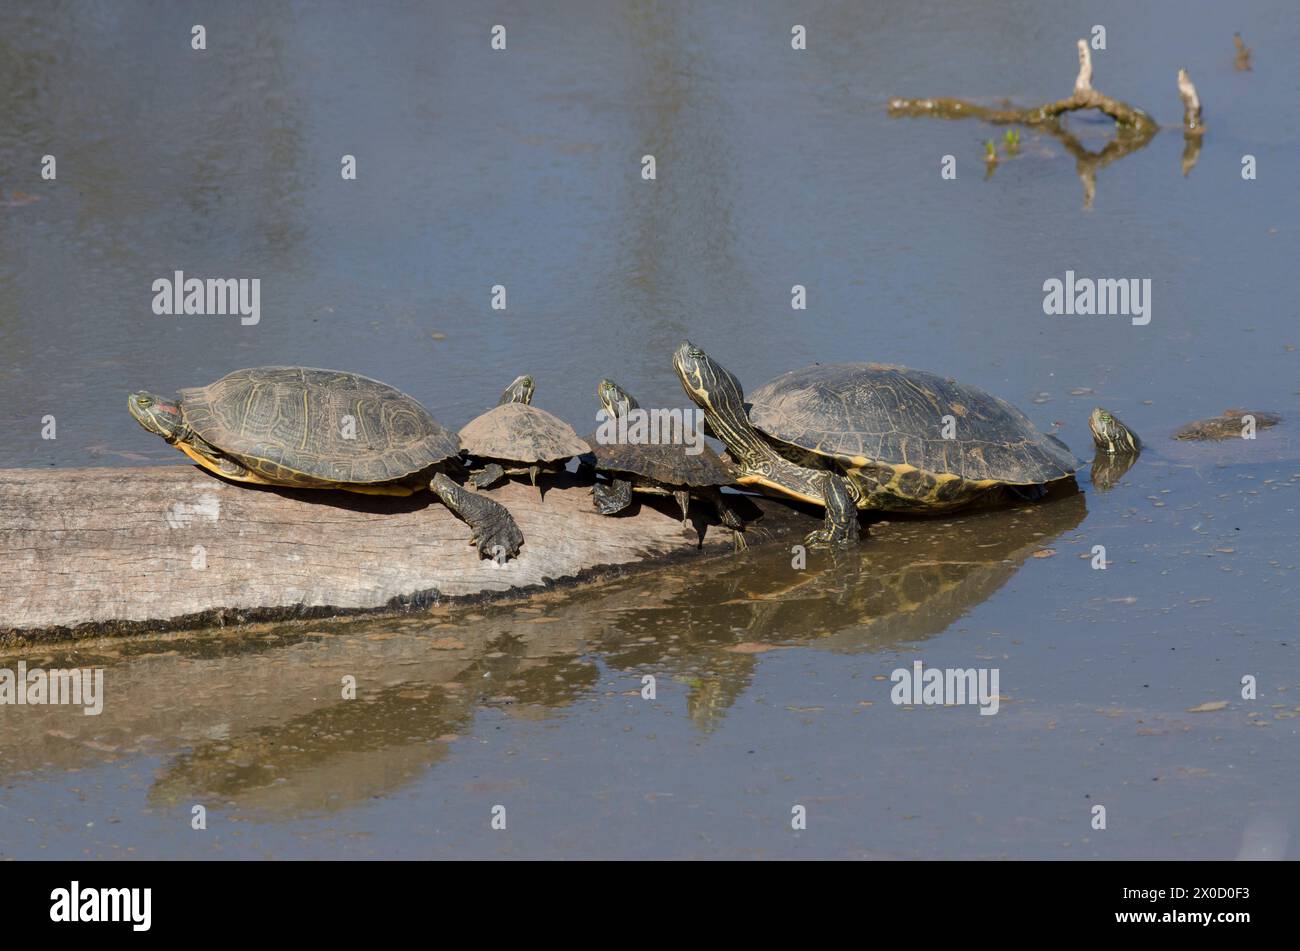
[89, 552]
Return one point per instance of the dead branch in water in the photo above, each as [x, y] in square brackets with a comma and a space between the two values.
[1191, 104]
[1128, 118]
[1193, 127]
[1243, 52]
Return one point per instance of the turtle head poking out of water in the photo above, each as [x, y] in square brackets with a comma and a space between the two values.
[1118, 448]
[1111, 436]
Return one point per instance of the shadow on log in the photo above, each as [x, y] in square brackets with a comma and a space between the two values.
[88, 552]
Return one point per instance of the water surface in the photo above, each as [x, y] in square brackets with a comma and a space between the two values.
[775, 168]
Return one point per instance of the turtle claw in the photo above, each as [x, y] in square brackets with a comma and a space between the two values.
[498, 542]
[683, 500]
[830, 538]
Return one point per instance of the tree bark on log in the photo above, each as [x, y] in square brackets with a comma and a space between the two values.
[88, 552]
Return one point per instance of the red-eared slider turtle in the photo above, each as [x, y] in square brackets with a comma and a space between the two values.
[1233, 424]
[517, 438]
[869, 436]
[654, 468]
[1118, 446]
[323, 429]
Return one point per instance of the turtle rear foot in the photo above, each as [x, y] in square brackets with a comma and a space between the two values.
[612, 498]
[488, 475]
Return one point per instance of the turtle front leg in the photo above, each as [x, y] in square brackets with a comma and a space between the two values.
[612, 498]
[493, 527]
[841, 527]
[488, 475]
[727, 514]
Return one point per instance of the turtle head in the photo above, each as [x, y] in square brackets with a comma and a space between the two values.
[1112, 436]
[721, 397]
[161, 417]
[712, 388]
[616, 400]
[520, 391]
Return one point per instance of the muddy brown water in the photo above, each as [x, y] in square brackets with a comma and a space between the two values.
[775, 168]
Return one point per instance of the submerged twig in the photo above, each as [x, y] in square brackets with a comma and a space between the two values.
[1243, 52]
[1193, 127]
[1191, 104]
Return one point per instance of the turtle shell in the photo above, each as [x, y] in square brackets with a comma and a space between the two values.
[860, 413]
[1227, 426]
[667, 463]
[301, 426]
[521, 432]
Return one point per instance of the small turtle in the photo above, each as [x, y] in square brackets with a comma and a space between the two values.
[655, 468]
[1118, 446]
[1233, 424]
[850, 436]
[517, 438]
[323, 429]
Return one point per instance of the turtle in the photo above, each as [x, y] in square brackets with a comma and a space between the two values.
[654, 468]
[1233, 424]
[517, 438]
[849, 436]
[1118, 446]
[309, 428]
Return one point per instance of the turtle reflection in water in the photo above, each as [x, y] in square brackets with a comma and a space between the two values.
[912, 584]
[324, 429]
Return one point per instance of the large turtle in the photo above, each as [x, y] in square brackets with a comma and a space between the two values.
[655, 468]
[852, 436]
[323, 429]
[517, 438]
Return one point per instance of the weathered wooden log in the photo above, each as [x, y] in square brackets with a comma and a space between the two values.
[86, 552]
